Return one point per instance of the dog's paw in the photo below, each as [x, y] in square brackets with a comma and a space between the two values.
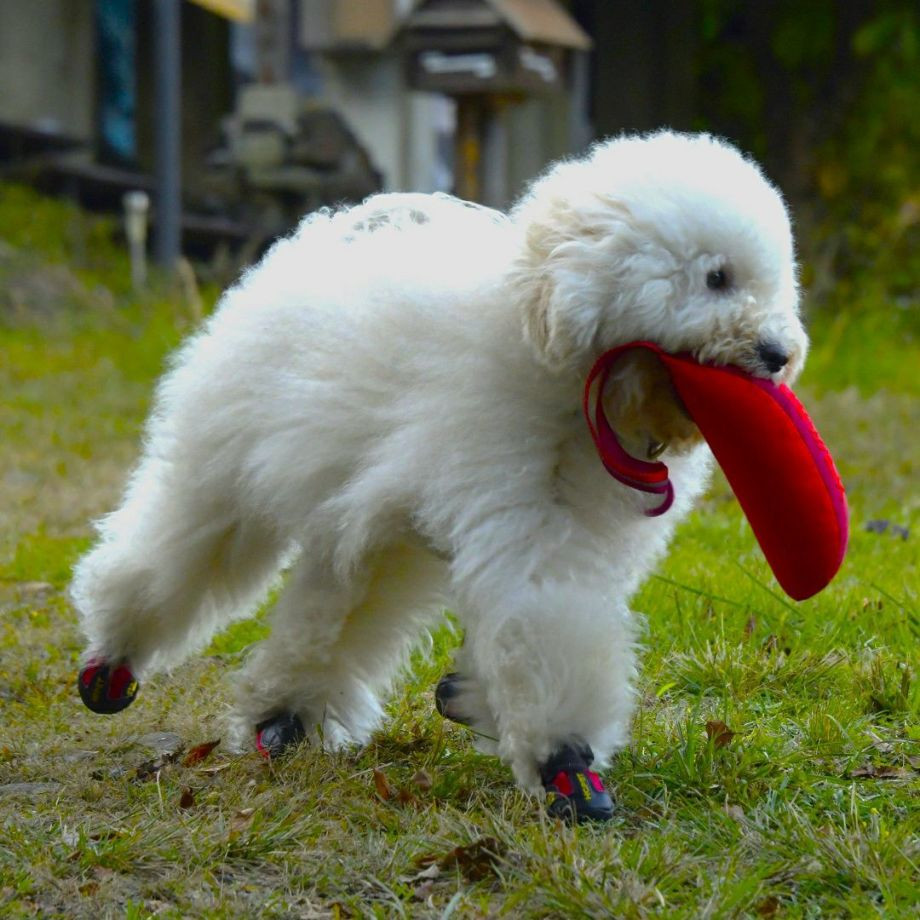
[462, 700]
[277, 735]
[107, 688]
[446, 696]
[575, 793]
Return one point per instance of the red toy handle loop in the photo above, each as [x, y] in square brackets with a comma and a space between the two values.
[637, 474]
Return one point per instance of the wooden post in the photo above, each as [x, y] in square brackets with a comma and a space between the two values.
[495, 154]
[468, 148]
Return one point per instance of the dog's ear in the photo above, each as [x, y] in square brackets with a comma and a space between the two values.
[557, 328]
[544, 328]
[565, 276]
[551, 283]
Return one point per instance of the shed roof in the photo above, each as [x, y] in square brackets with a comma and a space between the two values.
[543, 21]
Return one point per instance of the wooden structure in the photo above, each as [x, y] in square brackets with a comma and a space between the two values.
[487, 54]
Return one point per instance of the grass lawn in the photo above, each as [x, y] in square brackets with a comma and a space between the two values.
[804, 803]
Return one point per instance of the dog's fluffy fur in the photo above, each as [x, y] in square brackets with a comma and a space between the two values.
[390, 403]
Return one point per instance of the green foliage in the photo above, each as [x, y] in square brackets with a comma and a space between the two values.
[842, 333]
[868, 173]
[43, 557]
[763, 68]
[65, 273]
[64, 234]
[826, 94]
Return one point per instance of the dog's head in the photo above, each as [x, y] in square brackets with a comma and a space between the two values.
[671, 238]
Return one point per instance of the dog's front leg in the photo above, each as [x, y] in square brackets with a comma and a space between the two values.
[555, 658]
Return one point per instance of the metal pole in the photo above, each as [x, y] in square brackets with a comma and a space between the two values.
[167, 78]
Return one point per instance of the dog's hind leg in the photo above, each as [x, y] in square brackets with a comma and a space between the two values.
[173, 564]
[335, 647]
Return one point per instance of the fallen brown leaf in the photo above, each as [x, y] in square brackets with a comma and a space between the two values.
[199, 753]
[384, 790]
[423, 780]
[187, 799]
[893, 772]
[216, 768]
[720, 733]
[476, 860]
[768, 907]
[861, 772]
[870, 771]
[405, 797]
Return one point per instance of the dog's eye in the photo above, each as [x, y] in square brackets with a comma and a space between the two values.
[717, 279]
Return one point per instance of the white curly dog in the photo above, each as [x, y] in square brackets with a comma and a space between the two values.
[389, 403]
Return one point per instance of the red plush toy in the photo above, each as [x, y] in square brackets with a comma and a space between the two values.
[774, 460]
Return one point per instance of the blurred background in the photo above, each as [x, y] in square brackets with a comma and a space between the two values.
[236, 117]
[190, 134]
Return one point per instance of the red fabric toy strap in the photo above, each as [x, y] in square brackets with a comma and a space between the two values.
[772, 456]
[638, 474]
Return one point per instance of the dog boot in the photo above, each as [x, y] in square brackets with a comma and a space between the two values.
[106, 688]
[278, 734]
[574, 792]
[448, 689]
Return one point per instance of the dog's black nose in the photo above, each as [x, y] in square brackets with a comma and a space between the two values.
[774, 358]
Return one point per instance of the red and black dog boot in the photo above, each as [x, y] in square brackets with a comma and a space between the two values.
[575, 793]
[106, 687]
[278, 734]
[448, 689]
